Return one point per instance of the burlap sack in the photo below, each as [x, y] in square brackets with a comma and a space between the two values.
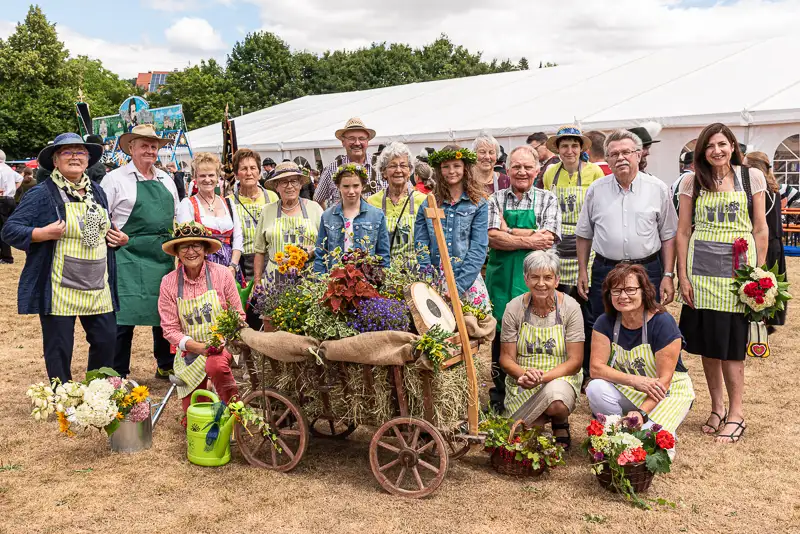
[371, 348]
[481, 330]
[281, 346]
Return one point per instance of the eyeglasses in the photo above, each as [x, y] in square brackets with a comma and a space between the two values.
[536, 147]
[356, 139]
[395, 166]
[74, 153]
[197, 247]
[290, 183]
[623, 153]
[630, 291]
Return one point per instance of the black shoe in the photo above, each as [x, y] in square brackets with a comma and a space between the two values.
[163, 374]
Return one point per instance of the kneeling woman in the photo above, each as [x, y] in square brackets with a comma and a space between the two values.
[636, 346]
[542, 349]
[191, 298]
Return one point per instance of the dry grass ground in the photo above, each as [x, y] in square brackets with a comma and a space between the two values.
[49, 483]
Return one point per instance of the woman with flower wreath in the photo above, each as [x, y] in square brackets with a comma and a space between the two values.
[726, 201]
[465, 223]
[351, 224]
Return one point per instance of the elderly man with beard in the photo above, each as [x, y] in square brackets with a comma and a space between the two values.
[627, 216]
[143, 202]
[522, 218]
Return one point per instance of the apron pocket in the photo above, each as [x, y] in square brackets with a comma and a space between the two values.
[712, 258]
[568, 246]
[83, 275]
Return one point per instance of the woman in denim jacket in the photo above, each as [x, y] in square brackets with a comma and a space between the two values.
[351, 224]
[465, 223]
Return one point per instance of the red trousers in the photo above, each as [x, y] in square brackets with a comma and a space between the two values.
[218, 369]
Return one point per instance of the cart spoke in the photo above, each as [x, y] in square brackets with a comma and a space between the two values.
[429, 467]
[282, 418]
[399, 435]
[388, 447]
[333, 429]
[288, 432]
[274, 455]
[285, 448]
[268, 409]
[401, 476]
[426, 447]
[389, 465]
[415, 437]
[260, 445]
[417, 477]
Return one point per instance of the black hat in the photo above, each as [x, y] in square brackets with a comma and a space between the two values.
[644, 135]
[687, 158]
[268, 161]
[96, 139]
[743, 148]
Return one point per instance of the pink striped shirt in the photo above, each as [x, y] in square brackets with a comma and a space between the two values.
[221, 280]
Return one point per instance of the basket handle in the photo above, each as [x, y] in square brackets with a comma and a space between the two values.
[513, 429]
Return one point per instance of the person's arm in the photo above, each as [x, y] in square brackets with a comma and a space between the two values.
[666, 360]
[502, 240]
[422, 240]
[685, 213]
[19, 230]
[667, 287]
[476, 254]
[667, 229]
[599, 368]
[760, 228]
[185, 211]
[551, 218]
[574, 337]
[382, 246]
[168, 311]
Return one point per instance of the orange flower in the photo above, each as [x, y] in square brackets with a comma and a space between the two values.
[63, 424]
[459, 155]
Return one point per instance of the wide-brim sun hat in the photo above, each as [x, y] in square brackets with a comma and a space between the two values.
[191, 232]
[45, 157]
[570, 130]
[354, 124]
[143, 131]
[285, 170]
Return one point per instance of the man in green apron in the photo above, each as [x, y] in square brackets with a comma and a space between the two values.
[143, 203]
[522, 218]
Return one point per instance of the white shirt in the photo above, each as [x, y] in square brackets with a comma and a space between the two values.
[221, 223]
[120, 188]
[9, 179]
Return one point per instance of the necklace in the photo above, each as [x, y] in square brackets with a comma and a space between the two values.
[721, 179]
[287, 209]
[544, 315]
[253, 196]
[210, 204]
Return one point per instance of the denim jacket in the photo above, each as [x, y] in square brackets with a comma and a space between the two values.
[369, 228]
[466, 233]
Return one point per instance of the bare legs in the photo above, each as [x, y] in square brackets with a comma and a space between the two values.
[720, 376]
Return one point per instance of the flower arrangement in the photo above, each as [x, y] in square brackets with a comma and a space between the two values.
[763, 291]
[404, 271]
[355, 168]
[292, 260]
[434, 346]
[377, 314]
[620, 444]
[242, 414]
[101, 401]
[529, 451]
[347, 288]
[290, 313]
[464, 154]
[478, 313]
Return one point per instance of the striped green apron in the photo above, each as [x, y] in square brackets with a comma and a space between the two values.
[401, 229]
[298, 231]
[542, 348]
[197, 317]
[570, 200]
[642, 362]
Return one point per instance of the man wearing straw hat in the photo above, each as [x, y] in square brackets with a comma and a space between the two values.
[355, 138]
[143, 202]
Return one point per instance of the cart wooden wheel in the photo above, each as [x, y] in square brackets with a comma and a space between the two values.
[404, 457]
[286, 420]
[325, 428]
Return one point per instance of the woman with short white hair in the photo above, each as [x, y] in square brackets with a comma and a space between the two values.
[400, 201]
[488, 150]
[541, 349]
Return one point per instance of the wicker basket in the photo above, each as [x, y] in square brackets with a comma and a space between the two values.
[510, 466]
[638, 474]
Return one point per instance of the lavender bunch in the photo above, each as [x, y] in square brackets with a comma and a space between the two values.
[379, 314]
[266, 297]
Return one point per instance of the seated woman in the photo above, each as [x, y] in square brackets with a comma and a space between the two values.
[541, 349]
[191, 298]
[351, 224]
[636, 346]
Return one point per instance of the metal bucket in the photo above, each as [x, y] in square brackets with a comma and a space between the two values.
[132, 437]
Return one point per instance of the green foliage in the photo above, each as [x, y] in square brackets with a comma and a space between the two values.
[658, 462]
[103, 372]
[434, 345]
[527, 445]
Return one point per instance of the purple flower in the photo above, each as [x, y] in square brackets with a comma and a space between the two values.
[599, 456]
[656, 428]
[378, 314]
[632, 422]
[600, 418]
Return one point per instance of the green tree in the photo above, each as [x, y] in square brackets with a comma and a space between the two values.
[102, 89]
[523, 64]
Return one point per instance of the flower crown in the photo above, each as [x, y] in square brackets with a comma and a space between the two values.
[190, 229]
[463, 154]
[355, 168]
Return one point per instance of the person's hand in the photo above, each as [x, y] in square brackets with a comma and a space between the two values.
[540, 240]
[651, 386]
[116, 238]
[583, 284]
[53, 231]
[687, 292]
[667, 290]
[530, 378]
[635, 414]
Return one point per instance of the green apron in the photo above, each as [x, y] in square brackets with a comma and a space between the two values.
[505, 275]
[141, 263]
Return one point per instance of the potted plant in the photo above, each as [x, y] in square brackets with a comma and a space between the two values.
[519, 451]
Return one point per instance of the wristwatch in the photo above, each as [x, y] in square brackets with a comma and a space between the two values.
[645, 417]
[235, 266]
[669, 274]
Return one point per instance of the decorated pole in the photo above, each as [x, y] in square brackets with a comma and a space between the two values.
[436, 215]
[229, 148]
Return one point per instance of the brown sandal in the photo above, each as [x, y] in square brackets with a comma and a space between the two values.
[714, 430]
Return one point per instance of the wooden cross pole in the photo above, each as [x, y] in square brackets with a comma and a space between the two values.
[436, 215]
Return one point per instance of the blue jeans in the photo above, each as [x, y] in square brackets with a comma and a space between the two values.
[600, 270]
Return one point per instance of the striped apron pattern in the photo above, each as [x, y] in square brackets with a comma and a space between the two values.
[248, 217]
[80, 274]
[298, 231]
[542, 348]
[401, 229]
[720, 218]
[670, 412]
[197, 317]
[570, 200]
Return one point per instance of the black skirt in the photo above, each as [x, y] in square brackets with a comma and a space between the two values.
[775, 254]
[714, 334]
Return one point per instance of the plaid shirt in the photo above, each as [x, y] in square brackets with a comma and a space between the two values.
[328, 192]
[543, 203]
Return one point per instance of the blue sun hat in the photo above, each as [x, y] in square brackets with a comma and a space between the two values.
[569, 130]
[45, 157]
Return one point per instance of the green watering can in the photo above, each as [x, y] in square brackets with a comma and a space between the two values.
[200, 419]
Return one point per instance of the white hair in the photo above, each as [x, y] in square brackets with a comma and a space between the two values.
[396, 149]
[621, 135]
[2, 157]
[541, 260]
[524, 148]
[485, 138]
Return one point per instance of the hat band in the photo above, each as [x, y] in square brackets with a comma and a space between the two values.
[277, 174]
[569, 131]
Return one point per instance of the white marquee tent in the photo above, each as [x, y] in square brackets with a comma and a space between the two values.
[754, 87]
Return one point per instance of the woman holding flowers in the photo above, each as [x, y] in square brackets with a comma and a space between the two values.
[726, 200]
[541, 349]
[636, 362]
[465, 223]
[191, 298]
[352, 224]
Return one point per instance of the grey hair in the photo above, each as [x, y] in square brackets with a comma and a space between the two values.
[621, 135]
[542, 260]
[395, 149]
[486, 138]
[524, 148]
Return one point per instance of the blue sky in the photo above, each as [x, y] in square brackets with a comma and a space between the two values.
[166, 34]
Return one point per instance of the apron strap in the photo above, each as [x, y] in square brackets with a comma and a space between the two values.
[529, 307]
[302, 208]
[182, 274]
[617, 325]
[558, 172]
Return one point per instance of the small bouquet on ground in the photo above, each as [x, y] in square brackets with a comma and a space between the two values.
[625, 457]
[434, 345]
[764, 292]
[101, 401]
[516, 450]
[242, 414]
[292, 260]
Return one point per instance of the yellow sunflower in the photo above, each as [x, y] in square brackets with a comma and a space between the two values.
[282, 269]
[459, 155]
[140, 393]
[292, 263]
[127, 401]
[120, 416]
[279, 257]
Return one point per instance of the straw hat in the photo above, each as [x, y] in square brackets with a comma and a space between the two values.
[569, 130]
[354, 124]
[143, 131]
[285, 170]
[191, 232]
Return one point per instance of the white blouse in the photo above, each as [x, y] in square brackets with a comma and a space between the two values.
[223, 223]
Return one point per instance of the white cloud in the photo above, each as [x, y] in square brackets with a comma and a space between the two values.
[194, 34]
[172, 6]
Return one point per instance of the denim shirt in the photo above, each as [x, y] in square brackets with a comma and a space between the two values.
[466, 233]
[369, 229]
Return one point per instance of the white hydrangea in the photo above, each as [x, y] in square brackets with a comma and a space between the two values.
[98, 390]
[96, 414]
[628, 440]
[68, 395]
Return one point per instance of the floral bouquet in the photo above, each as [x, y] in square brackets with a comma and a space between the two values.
[620, 450]
[292, 260]
[435, 347]
[101, 401]
[529, 452]
[763, 291]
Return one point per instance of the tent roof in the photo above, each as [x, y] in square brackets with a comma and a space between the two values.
[678, 87]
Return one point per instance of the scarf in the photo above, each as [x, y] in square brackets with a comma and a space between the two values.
[93, 222]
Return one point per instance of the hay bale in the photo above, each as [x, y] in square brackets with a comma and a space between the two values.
[371, 348]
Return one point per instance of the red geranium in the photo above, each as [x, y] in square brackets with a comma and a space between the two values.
[665, 440]
[751, 289]
[765, 283]
[639, 454]
[594, 428]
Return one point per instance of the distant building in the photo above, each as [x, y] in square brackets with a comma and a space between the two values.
[151, 81]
